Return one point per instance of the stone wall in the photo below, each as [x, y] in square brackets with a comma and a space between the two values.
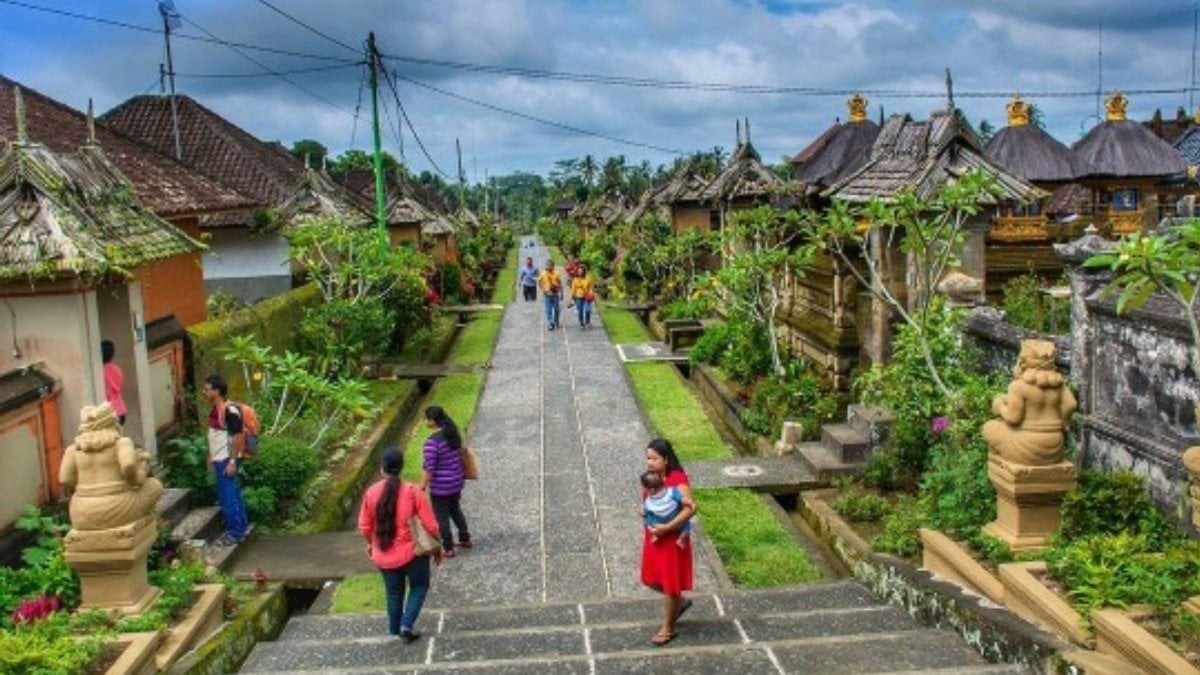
[998, 341]
[1137, 392]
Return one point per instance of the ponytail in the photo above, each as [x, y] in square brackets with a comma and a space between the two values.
[449, 429]
[385, 509]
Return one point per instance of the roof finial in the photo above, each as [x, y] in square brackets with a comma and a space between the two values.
[1115, 107]
[1018, 111]
[19, 101]
[324, 165]
[91, 139]
[857, 107]
[949, 90]
[747, 131]
[307, 161]
[739, 132]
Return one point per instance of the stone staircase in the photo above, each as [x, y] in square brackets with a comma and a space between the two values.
[197, 527]
[844, 447]
[829, 628]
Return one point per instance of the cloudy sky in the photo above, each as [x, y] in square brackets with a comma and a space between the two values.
[901, 46]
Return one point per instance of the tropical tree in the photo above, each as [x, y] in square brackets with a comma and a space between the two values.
[310, 150]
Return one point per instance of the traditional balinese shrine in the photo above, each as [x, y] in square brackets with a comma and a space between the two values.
[1124, 166]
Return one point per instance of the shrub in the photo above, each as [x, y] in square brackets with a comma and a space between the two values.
[900, 534]
[685, 308]
[185, 460]
[1117, 570]
[860, 506]
[738, 347]
[1023, 296]
[261, 503]
[45, 573]
[47, 647]
[1111, 503]
[283, 465]
[339, 333]
[798, 395]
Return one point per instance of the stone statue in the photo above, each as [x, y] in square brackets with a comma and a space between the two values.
[113, 514]
[110, 476]
[1191, 462]
[1034, 412]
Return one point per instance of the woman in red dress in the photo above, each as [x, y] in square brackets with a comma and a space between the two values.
[666, 556]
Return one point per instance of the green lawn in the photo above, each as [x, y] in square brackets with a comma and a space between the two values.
[358, 594]
[474, 344]
[675, 411]
[556, 255]
[755, 548]
[623, 327]
[506, 281]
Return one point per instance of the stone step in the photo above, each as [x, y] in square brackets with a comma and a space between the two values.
[200, 523]
[222, 557]
[824, 463]
[700, 649]
[873, 421]
[847, 443]
[173, 506]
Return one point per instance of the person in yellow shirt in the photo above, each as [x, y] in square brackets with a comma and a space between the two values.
[583, 296]
[551, 283]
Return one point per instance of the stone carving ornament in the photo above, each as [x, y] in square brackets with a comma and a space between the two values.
[1034, 412]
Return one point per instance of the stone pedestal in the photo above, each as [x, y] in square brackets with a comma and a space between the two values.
[1029, 499]
[111, 565]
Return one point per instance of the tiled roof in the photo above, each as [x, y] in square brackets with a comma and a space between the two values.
[164, 185]
[923, 157]
[1188, 146]
[75, 214]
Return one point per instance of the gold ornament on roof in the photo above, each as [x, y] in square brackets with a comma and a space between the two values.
[857, 107]
[1115, 107]
[1196, 116]
[1018, 112]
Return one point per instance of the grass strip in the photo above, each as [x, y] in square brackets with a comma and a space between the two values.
[556, 255]
[475, 342]
[675, 412]
[623, 327]
[358, 594]
[456, 394]
[506, 281]
[754, 546]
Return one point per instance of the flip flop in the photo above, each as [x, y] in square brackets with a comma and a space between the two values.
[687, 604]
[661, 639]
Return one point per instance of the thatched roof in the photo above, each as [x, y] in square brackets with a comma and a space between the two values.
[1120, 148]
[1029, 152]
[838, 152]
[1069, 199]
[318, 196]
[923, 157]
[745, 176]
[75, 215]
[685, 186]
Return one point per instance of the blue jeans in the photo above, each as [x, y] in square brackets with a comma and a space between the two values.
[416, 573]
[552, 317]
[229, 494]
[584, 308]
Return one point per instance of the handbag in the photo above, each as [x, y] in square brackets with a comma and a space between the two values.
[470, 464]
[423, 542]
[590, 297]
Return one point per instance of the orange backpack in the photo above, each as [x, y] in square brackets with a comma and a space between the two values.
[251, 426]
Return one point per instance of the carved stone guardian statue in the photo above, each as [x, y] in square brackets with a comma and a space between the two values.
[113, 519]
[1025, 449]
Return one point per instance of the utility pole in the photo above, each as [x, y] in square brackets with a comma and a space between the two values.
[171, 20]
[380, 192]
[462, 178]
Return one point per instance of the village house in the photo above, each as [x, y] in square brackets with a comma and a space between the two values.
[839, 151]
[682, 196]
[248, 255]
[415, 216]
[743, 183]
[75, 241]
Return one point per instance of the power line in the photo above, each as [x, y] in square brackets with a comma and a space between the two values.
[157, 31]
[541, 120]
[295, 71]
[309, 28]
[389, 77]
[362, 80]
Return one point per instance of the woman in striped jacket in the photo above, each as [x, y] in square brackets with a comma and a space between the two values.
[443, 473]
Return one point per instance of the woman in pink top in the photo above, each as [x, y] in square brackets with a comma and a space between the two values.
[114, 380]
[383, 520]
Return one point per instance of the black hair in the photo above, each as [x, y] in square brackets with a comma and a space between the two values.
[107, 350]
[218, 383]
[651, 480]
[449, 430]
[385, 509]
[662, 447]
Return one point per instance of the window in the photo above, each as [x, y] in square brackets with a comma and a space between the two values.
[714, 220]
[1125, 200]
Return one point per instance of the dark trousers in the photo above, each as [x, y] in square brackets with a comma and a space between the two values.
[530, 293]
[403, 614]
[447, 509]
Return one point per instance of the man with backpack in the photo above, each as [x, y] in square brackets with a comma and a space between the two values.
[226, 447]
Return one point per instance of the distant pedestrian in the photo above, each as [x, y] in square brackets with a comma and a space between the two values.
[226, 443]
[583, 295]
[114, 380]
[666, 548]
[445, 475]
[551, 283]
[383, 520]
[529, 280]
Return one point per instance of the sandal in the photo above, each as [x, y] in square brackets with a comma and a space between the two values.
[661, 639]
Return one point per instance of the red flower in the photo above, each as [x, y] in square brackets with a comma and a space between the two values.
[32, 611]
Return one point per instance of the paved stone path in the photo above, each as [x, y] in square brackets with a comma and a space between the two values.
[561, 442]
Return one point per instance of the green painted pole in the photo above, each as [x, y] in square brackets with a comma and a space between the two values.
[380, 190]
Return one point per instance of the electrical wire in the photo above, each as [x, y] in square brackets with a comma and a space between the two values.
[309, 28]
[362, 81]
[296, 71]
[542, 120]
[408, 122]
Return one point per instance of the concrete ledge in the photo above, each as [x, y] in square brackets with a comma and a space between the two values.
[260, 619]
[137, 658]
[200, 621]
[946, 559]
[1032, 600]
[994, 632]
[1119, 635]
[1095, 663]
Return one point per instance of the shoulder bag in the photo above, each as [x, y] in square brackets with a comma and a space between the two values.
[423, 542]
[470, 463]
